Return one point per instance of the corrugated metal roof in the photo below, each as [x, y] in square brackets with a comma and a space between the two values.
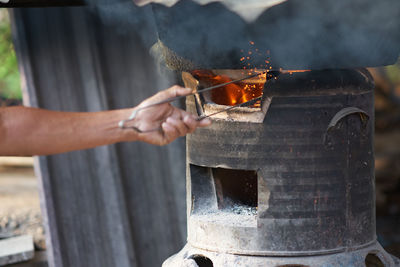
[121, 205]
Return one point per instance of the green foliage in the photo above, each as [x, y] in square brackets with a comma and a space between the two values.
[393, 72]
[9, 76]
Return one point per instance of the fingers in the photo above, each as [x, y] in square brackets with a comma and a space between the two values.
[171, 92]
[204, 122]
[174, 121]
[176, 90]
[174, 128]
[192, 122]
[170, 133]
[180, 127]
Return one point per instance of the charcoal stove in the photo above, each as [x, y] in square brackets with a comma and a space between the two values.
[286, 182]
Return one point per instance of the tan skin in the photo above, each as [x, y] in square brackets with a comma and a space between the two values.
[28, 131]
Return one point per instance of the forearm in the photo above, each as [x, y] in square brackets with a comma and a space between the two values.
[31, 131]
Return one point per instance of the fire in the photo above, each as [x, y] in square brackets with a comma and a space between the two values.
[232, 94]
[241, 92]
[293, 71]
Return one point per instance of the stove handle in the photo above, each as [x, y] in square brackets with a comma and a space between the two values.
[364, 117]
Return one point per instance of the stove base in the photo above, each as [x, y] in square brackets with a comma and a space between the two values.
[371, 256]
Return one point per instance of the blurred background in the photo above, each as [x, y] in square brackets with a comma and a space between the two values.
[19, 197]
[19, 200]
[10, 89]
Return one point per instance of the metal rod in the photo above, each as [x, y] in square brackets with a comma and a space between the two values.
[247, 103]
[134, 113]
[202, 90]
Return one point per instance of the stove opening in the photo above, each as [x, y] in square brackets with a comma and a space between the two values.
[245, 93]
[234, 93]
[202, 189]
[236, 190]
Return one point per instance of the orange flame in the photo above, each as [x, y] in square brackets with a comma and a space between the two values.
[293, 71]
[240, 92]
[231, 94]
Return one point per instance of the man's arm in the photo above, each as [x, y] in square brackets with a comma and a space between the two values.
[32, 131]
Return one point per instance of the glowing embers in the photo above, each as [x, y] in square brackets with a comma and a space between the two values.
[235, 93]
[219, 102]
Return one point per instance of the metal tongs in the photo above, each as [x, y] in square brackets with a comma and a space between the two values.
[122, 124]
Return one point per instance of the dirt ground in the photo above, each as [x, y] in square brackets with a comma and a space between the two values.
[19, 201]
[18, 189]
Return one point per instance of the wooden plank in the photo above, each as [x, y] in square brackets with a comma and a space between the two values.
[16, 161]
[16, 249]
[119, 205]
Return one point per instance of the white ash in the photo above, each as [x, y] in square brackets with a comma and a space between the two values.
[243, 210]
[236, 215]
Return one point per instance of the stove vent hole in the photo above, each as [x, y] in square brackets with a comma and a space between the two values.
[372, 260]
[202, 261]
[235, 189]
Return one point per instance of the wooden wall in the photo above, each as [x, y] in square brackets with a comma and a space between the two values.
[119, 205]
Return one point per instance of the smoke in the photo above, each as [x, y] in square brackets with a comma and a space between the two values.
[134, 24]
[332, 33]
[127, 19]
[297, 34]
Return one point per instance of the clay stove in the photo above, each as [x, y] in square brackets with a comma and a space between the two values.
[288, 181]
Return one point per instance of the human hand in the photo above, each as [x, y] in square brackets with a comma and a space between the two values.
[172, 122]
